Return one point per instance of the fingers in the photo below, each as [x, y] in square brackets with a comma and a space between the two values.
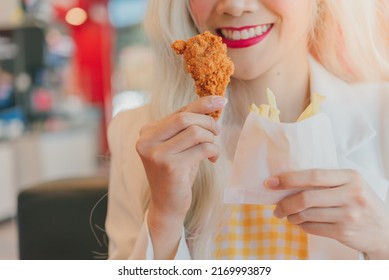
[330, 230]
[191, 136]
[206, 105]
[326, 222]
[192, 114]
[319, 215]
[310, 178]
[186, 130]
[172, 125]
[329, 197]
[200, 152]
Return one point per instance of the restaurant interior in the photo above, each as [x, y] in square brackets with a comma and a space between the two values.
[66, 68]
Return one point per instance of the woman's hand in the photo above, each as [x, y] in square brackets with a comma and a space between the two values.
[171, 150]
[338, 204]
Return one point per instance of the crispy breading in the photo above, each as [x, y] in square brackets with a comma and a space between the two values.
[206, 60]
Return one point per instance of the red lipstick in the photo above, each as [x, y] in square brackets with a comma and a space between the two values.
[244, 43]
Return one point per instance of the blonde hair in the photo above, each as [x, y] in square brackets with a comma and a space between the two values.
[348, 37]
[167, 21]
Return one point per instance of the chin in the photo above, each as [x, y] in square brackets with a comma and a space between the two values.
[247, 69]
[247, 74]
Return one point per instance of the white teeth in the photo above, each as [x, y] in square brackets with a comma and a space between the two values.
[258, 30]
[236, 35]
[251, 32]
[244, 34]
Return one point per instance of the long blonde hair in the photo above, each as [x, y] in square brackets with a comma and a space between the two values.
[348, 37]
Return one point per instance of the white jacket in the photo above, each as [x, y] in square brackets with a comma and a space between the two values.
[359, 115]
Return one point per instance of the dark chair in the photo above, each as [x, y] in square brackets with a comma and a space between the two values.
[63, 220]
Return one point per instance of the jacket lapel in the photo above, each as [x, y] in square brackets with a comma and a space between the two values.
[351, 128]
[353, 131]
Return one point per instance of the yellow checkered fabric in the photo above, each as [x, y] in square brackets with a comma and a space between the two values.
[253, 232]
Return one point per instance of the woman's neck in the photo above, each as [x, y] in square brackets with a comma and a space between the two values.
[289, 80]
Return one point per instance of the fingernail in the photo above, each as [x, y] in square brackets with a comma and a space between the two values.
[272, 182]
[218, 128]
[218, 101]
[276, 213]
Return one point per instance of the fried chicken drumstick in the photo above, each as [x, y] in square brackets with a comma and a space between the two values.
[206, 60]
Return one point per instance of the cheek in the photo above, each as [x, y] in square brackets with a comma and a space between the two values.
[295, 16]
[201, 11]
[290, 9]
[280, 7]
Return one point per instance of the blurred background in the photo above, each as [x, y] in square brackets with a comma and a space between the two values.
[66, 67]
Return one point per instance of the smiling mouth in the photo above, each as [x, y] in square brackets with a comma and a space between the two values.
[245, 33]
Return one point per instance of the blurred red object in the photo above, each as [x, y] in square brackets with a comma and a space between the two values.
[93, 51]
[42, 100]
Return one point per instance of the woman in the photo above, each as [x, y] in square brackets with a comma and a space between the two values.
[174, 169]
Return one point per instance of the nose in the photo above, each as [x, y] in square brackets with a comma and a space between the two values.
[236, 8]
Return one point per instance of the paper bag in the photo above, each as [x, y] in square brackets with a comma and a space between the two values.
[266, 148]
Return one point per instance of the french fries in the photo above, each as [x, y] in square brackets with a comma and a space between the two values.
[255, 109]
[264, 110]
[270, 110]
[274, 112]
[312, 108]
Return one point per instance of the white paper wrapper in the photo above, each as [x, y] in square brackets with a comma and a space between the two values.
[267, 148]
